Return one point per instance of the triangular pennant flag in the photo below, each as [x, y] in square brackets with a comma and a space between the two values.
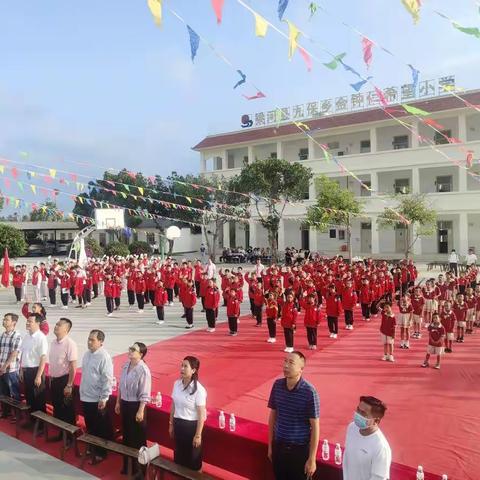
[155, 7]
[189, 199]
[302, 125]
[7, 200]
[413, 7]
[2, 168]
[217, 8]
[261, 25]
[475, 31]
[433, 123]
[20, 186]
[334, 63]
[242, 80]
[306, 57]
[254, 97]
[415, 110]
[127, 188]
[194, 42]
[14, 172]
[17, 203]
[350, 69]
[52, 172]
[415, 74]
[367, 46]
[34, 189]
[358, 86]
[381, 97]
[282, 5]
[313, 9]
[47, 179]
[7, 182]
[293, 34]
[73, 176]
[140, 189]
[123, 194]
[80, 199]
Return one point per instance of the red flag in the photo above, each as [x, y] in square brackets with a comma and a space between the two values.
[367, 46]
[306, 58]
[381, 97]
[218, 7]
[6, 269]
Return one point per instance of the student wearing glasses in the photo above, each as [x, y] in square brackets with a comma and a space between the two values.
[133, 395]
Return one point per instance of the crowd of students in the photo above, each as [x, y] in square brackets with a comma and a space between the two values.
[315, 291]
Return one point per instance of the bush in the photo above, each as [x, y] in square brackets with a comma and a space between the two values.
[13, 239]
[117, 248]
[93, 248]
[136, 248]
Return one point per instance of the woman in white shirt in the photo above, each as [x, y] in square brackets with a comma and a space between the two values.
[187, 415]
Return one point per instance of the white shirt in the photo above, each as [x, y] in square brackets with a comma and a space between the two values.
[185, 403]
[211, 270]
[259, 268]
[32, 349]
[453, 258]
[366, 457]
[471, 259]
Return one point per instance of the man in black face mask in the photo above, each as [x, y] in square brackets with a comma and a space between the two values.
[367, 453]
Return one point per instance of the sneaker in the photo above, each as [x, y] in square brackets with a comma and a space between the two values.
[331, 335]
[314, 347]
[88, 304]
[109, 314]
[391, 359]
[288, 349]
[139, 311]
[385, 358]
[171, 304]
[233, 334]
[64, 307]
[160, 322]
[188, 327]
[401, 346]
[334, 335]
[425, 364]
[437, 367]
[258, 324]
[271, 340]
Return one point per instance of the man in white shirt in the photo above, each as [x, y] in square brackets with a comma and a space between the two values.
[211, 269]
[367, 453]
[259, 268]
[471, 258]
[34, 351]
[453, 262]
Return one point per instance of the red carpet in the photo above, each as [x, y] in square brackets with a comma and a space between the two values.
[433, 417]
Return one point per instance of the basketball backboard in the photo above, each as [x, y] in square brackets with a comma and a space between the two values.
[109, 218]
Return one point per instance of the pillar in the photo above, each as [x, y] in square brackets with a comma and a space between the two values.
[415, 180]
[251, 157]
[373, 140]
[375, 236]
[280, 150]
[312, 193]
[224, 160]
[462, 179]
[313, 240]
[462, 127]
[203, 163]
[226, 235]
[374, 182]
[463, 233]
[415, 134]
[311, 148]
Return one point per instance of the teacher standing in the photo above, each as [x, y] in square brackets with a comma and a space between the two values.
[187, 415]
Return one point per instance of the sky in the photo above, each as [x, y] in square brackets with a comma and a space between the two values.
[92, 85]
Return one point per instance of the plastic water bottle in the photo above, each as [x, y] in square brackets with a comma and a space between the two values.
[325, 450]
[420, 475]
[158, 400]
[232, 422]
[114, 384]
[338, 454]
[221, 420]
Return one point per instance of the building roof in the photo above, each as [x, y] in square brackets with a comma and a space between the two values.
[43, 225]
[436, 104]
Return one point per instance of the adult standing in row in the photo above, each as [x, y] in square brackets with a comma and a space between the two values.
[188, 414]
[132, 397]
[10, 342]
[293, 424]
[96, 388]
[62, 366]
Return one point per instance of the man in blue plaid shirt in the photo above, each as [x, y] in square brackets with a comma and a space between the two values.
[10, 342]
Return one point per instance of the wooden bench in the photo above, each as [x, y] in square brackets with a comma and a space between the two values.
[93, 441]
[69, 431]
[19, 409]
[160, 466]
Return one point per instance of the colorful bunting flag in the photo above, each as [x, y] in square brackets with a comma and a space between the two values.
[218, 7]
[52, 172]
[194, 41]
[348, 68]
[415, 110]
[34, 189]
[261, 25]
[358, 86]
[381, 97]
[242, 80]
[313, 7]
[282, 5]
[302, 125]
[7, 182]
[2, 168]
[254, 97]
[20, 186]
[155, 7]
[415, 74]
[413, 7]
[293, 34]
[433, 123]
[367, 46]
[475, 31]
[334, 63]
[306, 57]
[14, 172]
[140, 189]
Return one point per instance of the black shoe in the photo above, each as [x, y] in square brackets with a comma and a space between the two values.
[183, 316]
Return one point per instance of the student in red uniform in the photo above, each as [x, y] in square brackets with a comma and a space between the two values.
[131, 287]
[37, 308]
[471, 302]
[140, 289]
[448, 319]
[233, 312]
[212, 300]
[365, 299]
[117, 291]
[349, 300]
[189, 300]
[197, 276]
[387, 330]
[258, 301]
[436, 338]
[17, 281]
[108, 293]
[404, 319]
[431, 304]
[160, 300]
[418, 303]
[333, 310]
[203, 289]
[460, 309]
[36, 284]
[477, 306]
[64, 287]
[288, 321]
[52, 287]
[272, 312]
[311, 320]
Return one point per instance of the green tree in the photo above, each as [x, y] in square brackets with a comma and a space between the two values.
[47, 212]
[335, 206]
[13, 239]
[117, 248]
[94, 247]
[272, 183]
[415, 210]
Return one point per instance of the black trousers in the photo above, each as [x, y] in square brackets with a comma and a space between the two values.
[169, 294]
[289, 461]
[18, 293]
[52, 295]
[332, 324]
[233, 324]
[64, 299]
[98, 423]
[366, 310]
[63, 407]
[176, 290]
[134, 433]
[87, 295]
[131, 297]
[72, 293]
[272, 327]
[184, 452]
[197, 288]
[252, 306]
[151, 296]
[109, 304]
[210, 314]
[288, 334]
[95, 290]
[374, 307]
[312, 335]
[160, 312]
[116, 301]
[454, 268]
[140, 300]
[189, 315]
[348, 317]
[258, 314]
[35, 396]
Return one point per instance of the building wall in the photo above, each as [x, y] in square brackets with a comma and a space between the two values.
[349, 143]
[385, 136]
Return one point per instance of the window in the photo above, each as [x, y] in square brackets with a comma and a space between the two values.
[341, 234]
[306, 194]
[365, 146]
[218, 163]
[363, 191]
[273, 155]
[63, 236]
[366, 226]
[402, 185]
[231, 161]
[102, 239]
[340, 154]
[45, 237]
[333, 233]
[150, 238]
[444, 183]
[303, 154]
[70, 236]
[245, 160]
[441, 138]
[400, 141]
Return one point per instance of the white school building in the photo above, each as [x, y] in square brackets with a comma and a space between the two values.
[385, 156]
